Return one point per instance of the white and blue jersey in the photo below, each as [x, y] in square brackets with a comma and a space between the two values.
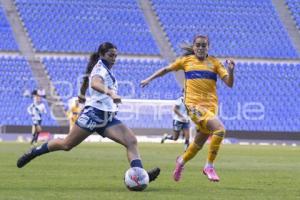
[183, 122]
[97, 99]
[182, 110]
[36, 110]
[100, 110]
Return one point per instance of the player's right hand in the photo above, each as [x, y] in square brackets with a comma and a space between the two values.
[81, 99]
[144, 83]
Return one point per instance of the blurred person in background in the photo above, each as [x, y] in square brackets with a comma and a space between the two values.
[181, 123]
[36, 111]
[73, 113]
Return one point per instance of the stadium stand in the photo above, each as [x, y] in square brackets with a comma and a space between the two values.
[269, 90]
[8, 42]
[66, 74]
[262, 86]
[16, 78]
[78, 26]
[236, 28]
[245, 29]
[272, 87]
[294, 7]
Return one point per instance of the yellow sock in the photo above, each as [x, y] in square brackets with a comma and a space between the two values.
[191, 151]
[214, 146]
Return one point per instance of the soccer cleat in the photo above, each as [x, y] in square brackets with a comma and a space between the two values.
[153, 173]
[163, 138]
[178, 170]
[26, 158]
[211, 174]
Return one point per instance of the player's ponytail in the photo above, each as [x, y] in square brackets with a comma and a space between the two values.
[92, 62]
[188, 49]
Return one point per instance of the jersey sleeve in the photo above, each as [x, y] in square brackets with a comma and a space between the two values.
[177, 65]
[98, 71]
[221, 70]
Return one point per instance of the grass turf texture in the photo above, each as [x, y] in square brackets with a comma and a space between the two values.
[95, 171]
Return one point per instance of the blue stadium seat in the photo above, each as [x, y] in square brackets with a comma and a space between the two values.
[231, 25]
[271, 87]
[294, 7]
[79, 26]
[66, 75]
[16, 77]
[8, 42]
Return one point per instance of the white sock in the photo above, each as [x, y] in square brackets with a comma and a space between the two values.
[180, 160]
[209, 164]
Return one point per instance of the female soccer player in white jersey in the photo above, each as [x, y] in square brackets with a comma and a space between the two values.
[36, 110]
[99, 113]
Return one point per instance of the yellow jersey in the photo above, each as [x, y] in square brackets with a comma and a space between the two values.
[200, 80]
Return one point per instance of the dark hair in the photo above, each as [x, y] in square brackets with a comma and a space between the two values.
[188, 48]
[102, 49]
[34, 93]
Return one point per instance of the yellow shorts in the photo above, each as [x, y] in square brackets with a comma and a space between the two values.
[200, 117]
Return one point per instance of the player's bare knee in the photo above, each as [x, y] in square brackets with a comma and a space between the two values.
[131, 141]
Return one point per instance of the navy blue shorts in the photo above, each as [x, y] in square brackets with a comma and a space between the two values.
[94, 120]
[179, 126]
[37, 122]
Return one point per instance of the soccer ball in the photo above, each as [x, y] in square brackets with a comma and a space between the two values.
[136, 179]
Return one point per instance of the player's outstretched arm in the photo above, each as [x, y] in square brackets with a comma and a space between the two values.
[228, 80]
[158, 73]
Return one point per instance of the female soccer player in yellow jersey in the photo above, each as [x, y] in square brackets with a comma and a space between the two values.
[201, 100]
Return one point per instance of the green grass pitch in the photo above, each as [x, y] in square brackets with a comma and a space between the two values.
[94, 171]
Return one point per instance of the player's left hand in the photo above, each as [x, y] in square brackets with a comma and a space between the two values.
[230, 64]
